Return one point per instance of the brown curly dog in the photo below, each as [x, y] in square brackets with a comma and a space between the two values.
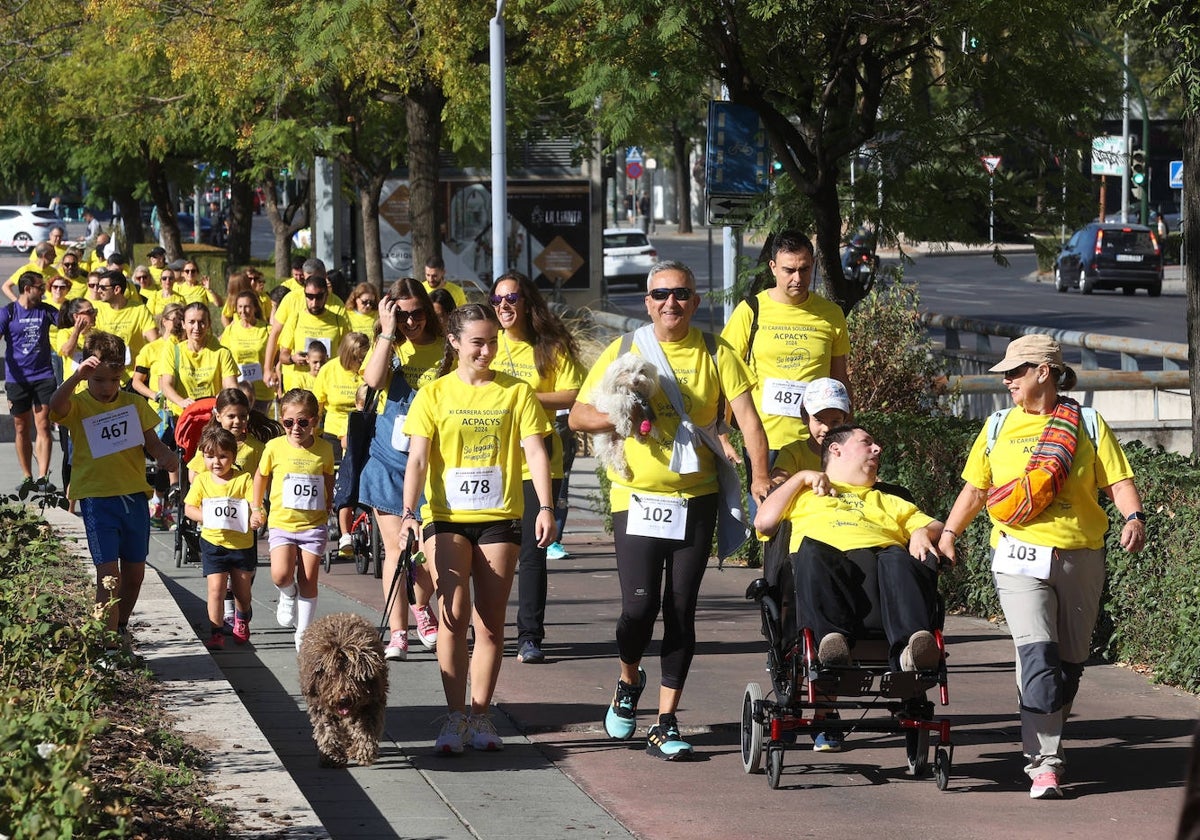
[344, 680]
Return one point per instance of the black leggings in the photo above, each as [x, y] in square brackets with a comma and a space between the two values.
[641, 562]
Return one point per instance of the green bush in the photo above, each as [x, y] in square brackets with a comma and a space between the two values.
[891, 363]
[1046, 248]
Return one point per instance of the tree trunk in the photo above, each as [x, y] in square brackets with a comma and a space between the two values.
[827, 215]
[131, 216]
[168, 222]
[241, 212]
[683, 177]
[369, 188]
[423, 112]
[1190, 227]
[284, 221]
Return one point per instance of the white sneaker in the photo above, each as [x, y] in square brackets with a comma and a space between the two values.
[285, 612]
[427, 626]
[299, 639]
[483, 734]
[453, 735]
[397, 648]
[346, 545]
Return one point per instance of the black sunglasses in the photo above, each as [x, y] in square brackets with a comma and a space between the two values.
[510, 298]
[302, 422]
[681, 294]
[315, 296]
[414, 316]
[1018, 372]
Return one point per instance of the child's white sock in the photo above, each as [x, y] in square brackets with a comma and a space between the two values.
[306, 611]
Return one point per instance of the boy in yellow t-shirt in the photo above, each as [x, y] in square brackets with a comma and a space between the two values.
[109, 428]
[219, 500]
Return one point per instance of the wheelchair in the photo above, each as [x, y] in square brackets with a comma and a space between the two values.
[802, 688]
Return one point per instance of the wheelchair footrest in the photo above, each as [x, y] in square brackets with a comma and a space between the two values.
[844, 682]
[902, 685]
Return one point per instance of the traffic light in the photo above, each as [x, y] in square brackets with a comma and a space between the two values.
[1137, 172]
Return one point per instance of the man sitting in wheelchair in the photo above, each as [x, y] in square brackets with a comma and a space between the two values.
[858, 552]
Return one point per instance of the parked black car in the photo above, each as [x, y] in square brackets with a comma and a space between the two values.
[1110, 256]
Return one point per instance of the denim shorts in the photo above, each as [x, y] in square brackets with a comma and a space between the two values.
[312, 540]
[118, 528]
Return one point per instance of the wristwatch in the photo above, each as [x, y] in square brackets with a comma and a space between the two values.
[1137, 514]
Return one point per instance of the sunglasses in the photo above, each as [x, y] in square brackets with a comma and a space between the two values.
[315, 295]
[1018, 372]
[92, 285]
[70, 265]
[415, 316]
[510, 298]
[368, 302]
[302, 422]
[681, 294]
[189, 271]
[58, 287]
[100, 288]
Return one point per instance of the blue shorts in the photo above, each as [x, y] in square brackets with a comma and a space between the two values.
[312, 540]
[219, 560]
[118, 528]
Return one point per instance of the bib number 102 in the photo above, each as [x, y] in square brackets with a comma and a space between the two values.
[658, 514]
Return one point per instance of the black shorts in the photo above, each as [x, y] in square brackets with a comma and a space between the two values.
[480, 533]
[218, 560]
[23, 396]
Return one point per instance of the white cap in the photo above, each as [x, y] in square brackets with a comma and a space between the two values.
[824, 393]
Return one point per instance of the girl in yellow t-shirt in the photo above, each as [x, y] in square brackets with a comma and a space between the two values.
[246, 338]
[467, 433]
[219, 500]
[231, 412]
[298, 467]
[75, 323]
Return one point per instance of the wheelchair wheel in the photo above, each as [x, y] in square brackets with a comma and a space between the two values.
[774, 765]
[916, 745]
[327, 563]
[941, 768]
[752, 731]
[376, 548]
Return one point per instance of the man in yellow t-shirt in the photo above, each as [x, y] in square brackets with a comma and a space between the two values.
[435, 278]
[859, 551]
[43, 263]
[788, 335]
[314, 322]
[664, 518]
[134, 324]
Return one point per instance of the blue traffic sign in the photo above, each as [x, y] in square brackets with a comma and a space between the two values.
[738, 157]
[1176, 171]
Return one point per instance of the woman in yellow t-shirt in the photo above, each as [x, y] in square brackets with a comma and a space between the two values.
[299, 469]
[362, 308]
[536, 348]
[75, 323]
[197, 288]
[234, 286]
[198, 367]
[170, 333]
[467, 433]
[1048, 555]
[159, 299]
[246, 339]
[258, 285]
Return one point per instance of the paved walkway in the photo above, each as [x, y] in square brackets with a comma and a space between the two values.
[560, 777]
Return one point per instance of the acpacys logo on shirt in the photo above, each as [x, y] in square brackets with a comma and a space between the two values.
[795, 358]
[485, 450]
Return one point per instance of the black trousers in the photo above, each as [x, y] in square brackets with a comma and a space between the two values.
[852, 592]
[531, 572]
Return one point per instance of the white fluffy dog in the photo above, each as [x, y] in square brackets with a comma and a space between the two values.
[628, 384]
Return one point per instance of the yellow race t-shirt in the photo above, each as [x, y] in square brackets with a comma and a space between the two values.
[194, 294]
[197, 374]
[475, 452]
[299, 499]
[455, 290]
[797, 456]
[249, 453]
[248, 346]
[516, 358]
[303, 328]
[363, 322]
[1074, 519]
[335, 390]
[793, 345]
[156, 301]
[235, 494]
[294, 302]
[108, 439]
[129, 322]
[857, 517]
[700, 383]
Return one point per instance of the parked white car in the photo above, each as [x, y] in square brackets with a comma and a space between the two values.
[23, 226]
[628, 255]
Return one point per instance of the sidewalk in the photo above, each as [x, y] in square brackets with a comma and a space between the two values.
[1128, 740]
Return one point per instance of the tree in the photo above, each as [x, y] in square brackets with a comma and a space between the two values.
[1174, 31]
[832, 79]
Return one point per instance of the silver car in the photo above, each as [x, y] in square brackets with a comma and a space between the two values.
[628, 255]
[22, 226]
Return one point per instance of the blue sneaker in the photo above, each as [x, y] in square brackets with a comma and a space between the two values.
[555, 551]
[827, 742]
[620, 720]
[664, 741]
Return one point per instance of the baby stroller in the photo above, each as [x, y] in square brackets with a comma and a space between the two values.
[188, 429]
[365, 540]
[806, 696]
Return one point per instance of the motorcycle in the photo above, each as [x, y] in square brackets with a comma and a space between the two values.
[860, 263]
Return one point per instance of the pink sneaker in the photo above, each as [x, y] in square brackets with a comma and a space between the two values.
[397, 648]
[1045, 786]
[427, 626]
[241, 630]
[216, 642]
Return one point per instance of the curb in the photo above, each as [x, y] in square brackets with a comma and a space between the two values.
[245, 770]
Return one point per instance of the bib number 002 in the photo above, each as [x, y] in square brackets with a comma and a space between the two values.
[225, 514]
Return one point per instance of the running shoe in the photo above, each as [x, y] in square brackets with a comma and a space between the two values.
[620, 720]
[829, 741]
[555, 551]
[453, 736]
[346, 545]
[397, 647]
[216, 642]
[45, 485]
[1045, 786]
[427, 626]
[27, 486]
[285, 612]
[241, 630]
[663, 740]
[529, 653]
[482, 734]
[834, 650]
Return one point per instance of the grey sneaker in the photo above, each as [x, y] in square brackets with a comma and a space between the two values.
[834, 650]
[921, 654]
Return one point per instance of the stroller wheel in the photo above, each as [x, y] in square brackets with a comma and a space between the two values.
[752, 730]
[941, 768]
[328, 563]
[774, 765]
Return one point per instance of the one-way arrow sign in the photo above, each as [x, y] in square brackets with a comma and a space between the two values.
[730, 209]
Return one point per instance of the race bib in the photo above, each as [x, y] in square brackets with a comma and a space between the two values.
[474, 488]
[303, 492]
[664, 517]
[399, 439]
[1017, 557]
[783, 397]
[113, 431]
[251, 372]
[226, 515]
[128, 356]
[326, 342]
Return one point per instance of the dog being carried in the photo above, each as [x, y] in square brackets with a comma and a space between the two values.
[624, 395]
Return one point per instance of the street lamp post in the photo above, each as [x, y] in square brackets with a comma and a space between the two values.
[651, 165]
[499, 158]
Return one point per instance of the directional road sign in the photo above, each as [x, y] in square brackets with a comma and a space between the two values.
[730, 209]
[1176, 174]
